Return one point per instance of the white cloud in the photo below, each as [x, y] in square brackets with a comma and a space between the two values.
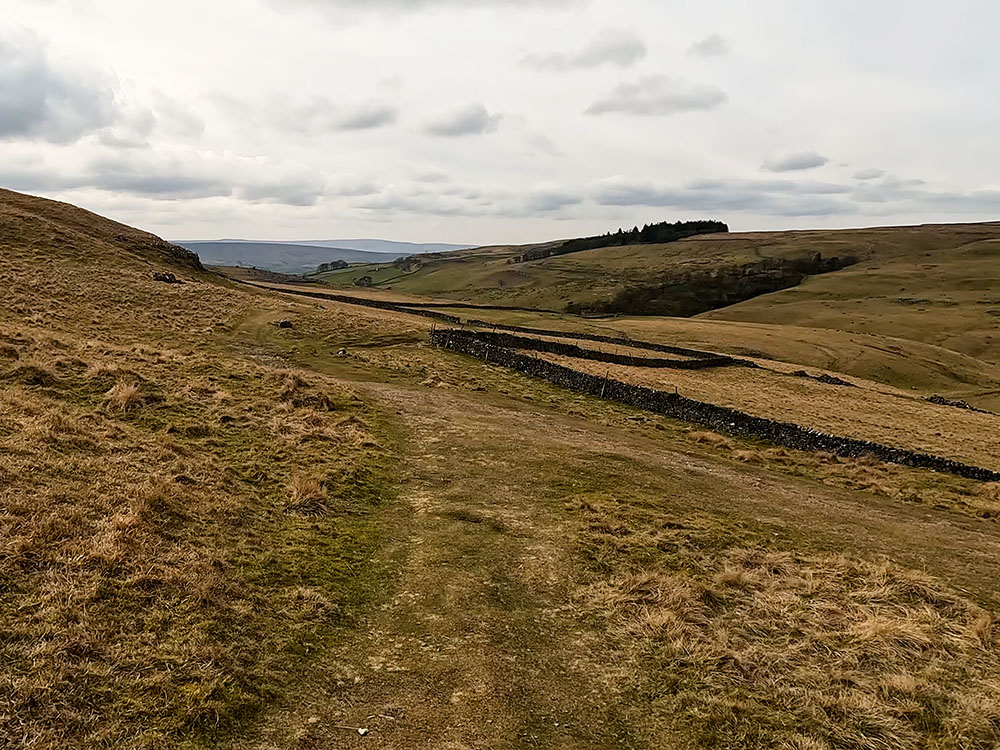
[710, 46]
[610, 47]
[794, 162]
[131, 107]
[473, 119]
[658, 95]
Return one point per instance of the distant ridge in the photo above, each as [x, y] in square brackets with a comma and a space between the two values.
[304, 256]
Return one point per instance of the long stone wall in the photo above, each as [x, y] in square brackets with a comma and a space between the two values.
[365, 302]
[720, 418]
[419, 309]
[509, 341]
[619, 340]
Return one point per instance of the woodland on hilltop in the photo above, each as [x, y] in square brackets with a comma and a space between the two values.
[649, 234]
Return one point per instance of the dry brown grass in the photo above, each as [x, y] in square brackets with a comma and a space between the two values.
[868, 412]
[124, 396]
[763, 648]
[139, 550]
[307, 496]
[153, 593]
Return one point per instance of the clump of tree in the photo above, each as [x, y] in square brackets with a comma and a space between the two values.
[649, 234]
[334, 265]
[688, 293]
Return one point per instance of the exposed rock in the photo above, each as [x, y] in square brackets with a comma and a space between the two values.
[166, 278]
[958, 404]
[285, 323]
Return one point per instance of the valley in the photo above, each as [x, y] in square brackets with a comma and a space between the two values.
[222, 532]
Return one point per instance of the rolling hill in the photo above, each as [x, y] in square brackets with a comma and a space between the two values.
[303, 257]
[930, 283]
[279, 256]
[216, 531]
[595, 278]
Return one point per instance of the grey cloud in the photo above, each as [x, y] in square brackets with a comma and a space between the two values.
[368, 116]
[321, 116]
[470, 201]
[781, 198]
[806, 187]
[898, 195]
[431, 175]
[284, 192]
[613, 47]
[658, 95]
[169, 180]
[710, 46]
[187, 175]
[339, 6]
[42, 99]
[175, 117]
[552, 200]
[869, 174]
[890, 188]
[351, 186]
[794, 162]
[795, 198]
[474, 119]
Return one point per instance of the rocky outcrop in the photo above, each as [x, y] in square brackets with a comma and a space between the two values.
[151, 247]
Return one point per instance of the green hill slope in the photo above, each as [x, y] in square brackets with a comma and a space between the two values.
[670, 279]
[948, 296]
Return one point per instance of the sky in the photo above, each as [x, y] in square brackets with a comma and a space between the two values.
[501, 121]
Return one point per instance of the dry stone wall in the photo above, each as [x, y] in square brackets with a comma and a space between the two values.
[510, 341]
[719, 418]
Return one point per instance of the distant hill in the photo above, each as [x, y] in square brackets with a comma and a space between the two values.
[304, 256]
[388, 246]
[279, 256]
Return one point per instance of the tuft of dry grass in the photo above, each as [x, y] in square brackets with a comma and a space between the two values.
[307, 496]
[124, 396]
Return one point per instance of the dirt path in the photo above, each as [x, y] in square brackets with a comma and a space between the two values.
[480, 644]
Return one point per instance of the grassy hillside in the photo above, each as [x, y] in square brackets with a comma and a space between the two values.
[948, 296]
[180, 526]
[215, 532]
[595, 276]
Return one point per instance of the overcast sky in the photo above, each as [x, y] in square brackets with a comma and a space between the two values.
[483, 121]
